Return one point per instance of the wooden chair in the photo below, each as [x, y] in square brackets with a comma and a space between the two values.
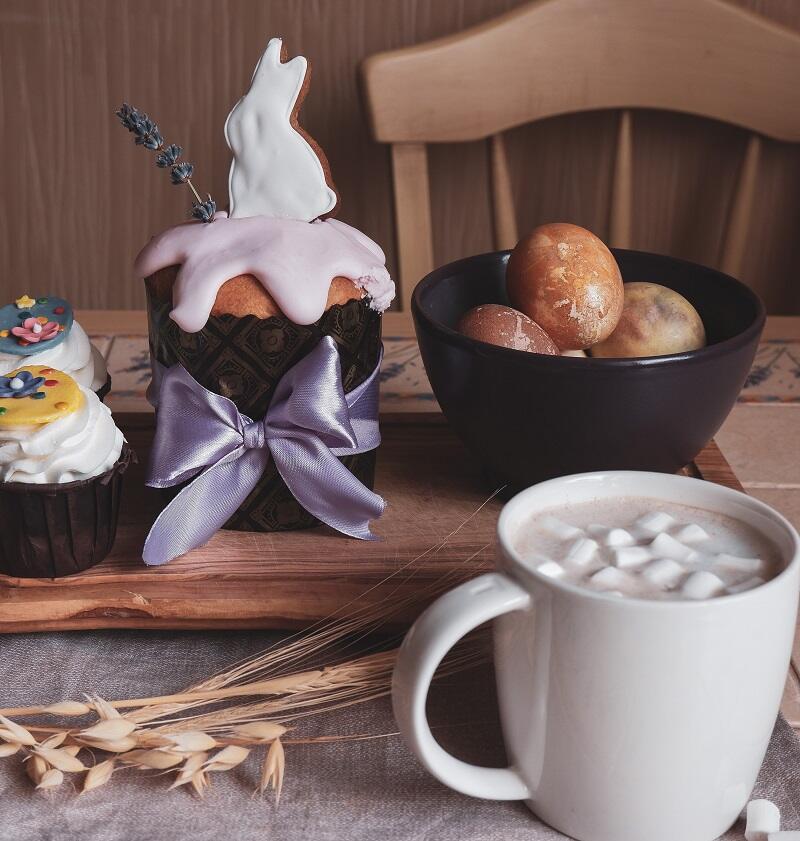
[552, 57]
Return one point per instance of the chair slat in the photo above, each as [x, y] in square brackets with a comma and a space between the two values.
[505, 221]
[741, 210]
[621, 228]
[412, 206]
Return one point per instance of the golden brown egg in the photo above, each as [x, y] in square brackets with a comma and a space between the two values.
[655, 321]
[566, 280]
[506, 327]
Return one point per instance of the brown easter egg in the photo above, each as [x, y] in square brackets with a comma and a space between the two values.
[507, 327]
[565, 279]
[655, 321]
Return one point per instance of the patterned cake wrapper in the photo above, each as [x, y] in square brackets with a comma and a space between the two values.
[244, 358]
[49, 531]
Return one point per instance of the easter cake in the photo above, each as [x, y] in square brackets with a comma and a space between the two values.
[240, 297]
[61, 464]
[43, 331]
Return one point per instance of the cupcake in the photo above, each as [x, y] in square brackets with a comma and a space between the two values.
[238, 298]
[61, 465]
[43, 331]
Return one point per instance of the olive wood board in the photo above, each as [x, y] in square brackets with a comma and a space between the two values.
[288, 579]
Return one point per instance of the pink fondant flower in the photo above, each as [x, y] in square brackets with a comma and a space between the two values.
[32, 331]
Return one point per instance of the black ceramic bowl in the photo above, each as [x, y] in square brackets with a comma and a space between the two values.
[527, 417]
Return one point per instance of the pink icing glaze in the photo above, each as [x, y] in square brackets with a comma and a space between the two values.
[295, 261]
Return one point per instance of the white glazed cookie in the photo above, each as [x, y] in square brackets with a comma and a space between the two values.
[275, 170]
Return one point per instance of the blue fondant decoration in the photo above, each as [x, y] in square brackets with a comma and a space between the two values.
[51, 308]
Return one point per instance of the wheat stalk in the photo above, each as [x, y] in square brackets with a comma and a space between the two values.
[253, 707]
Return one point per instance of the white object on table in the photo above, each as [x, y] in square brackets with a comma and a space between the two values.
[763, 820]
[565, 656]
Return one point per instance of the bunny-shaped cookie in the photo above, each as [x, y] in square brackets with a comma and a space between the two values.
[275, 170]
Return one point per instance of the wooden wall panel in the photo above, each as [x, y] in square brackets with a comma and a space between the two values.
[77, 199]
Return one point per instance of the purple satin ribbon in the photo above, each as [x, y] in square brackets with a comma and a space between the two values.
[310, 421]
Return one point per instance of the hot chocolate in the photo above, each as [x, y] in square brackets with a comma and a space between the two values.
[644, 548]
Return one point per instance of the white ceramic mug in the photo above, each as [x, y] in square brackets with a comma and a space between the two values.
[623, 719]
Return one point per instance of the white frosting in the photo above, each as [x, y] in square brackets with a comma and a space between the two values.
[78, 446]
[75, 356]
[274, 172]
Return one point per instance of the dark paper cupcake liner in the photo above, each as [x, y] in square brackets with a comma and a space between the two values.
[49, 531]
[244, 358]
[104, 389]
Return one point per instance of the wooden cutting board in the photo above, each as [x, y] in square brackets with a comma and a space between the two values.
[289, 579]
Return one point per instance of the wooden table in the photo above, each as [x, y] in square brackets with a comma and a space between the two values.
[760, 439]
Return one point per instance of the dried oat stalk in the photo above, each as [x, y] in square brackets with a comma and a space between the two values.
[248, 713]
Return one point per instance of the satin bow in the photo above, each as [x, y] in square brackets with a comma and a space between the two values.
[202, 436]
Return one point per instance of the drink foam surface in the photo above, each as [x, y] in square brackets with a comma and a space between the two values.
[645, 548]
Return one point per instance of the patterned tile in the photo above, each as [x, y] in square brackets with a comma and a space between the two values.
[404, 384]
[775, 375]
[774, 378]
[128, 361]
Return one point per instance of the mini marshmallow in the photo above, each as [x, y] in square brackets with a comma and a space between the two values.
[702, 585]
[655, 522]
[668, 547]
[664, 572]
[628, 556]
[618, 537]
[610, 578]
[735, 562]
[582, 551]
[551, 569]
[691, 533]
[558, 528]
[763, 818]
[596, 530]
[748, 584]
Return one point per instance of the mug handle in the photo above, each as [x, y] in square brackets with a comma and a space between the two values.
[436, 631]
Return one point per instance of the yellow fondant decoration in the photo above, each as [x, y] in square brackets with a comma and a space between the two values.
[24, 302]
[62, 396]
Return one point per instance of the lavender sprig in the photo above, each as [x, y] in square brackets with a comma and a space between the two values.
[169, 157]
[181, 173]
[204, 211]
[146, 133]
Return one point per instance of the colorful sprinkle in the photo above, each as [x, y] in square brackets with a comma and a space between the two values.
[40, 395]
[24, 301]
[3, 334]
[2, 410]
[61, 405]
[45, 370]
[41, 319]
[23, 315]
[41, 300]
[58, 311]
[50, 383]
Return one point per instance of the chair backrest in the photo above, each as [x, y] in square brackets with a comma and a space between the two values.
[551, 57]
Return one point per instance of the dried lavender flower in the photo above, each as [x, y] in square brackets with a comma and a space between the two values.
[204, 211]
[181, 173]
[146, 133]
[129, 116]
[169, 156]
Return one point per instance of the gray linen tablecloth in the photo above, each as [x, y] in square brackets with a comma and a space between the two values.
[357, 790]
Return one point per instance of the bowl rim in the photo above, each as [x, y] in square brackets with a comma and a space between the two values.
[742, 339]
